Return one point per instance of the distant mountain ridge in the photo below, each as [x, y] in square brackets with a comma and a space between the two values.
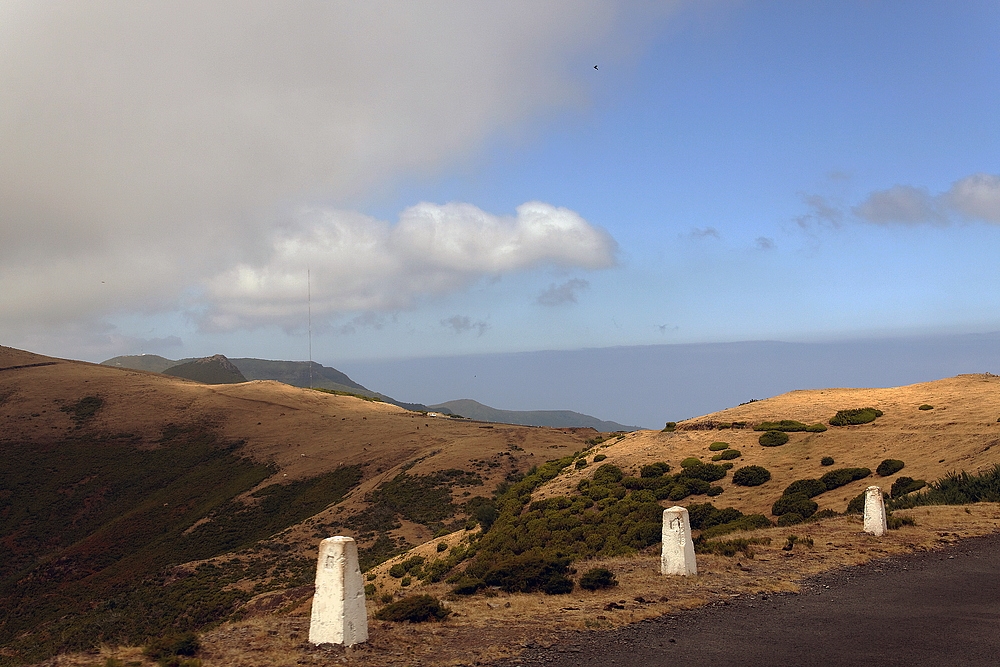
[212, 370]
[467, 407]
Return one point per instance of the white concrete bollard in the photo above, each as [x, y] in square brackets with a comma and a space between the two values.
[677, 552]
[875, 521]
[338, 609]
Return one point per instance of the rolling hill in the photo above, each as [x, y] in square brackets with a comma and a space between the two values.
[133, 503]
[555, 418]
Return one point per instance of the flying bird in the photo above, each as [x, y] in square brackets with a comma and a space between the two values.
[595, 66]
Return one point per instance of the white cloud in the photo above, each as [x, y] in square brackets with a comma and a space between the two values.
[361, 264]
[462, 323]
[152, 145]
[976, 197]
[557, 295]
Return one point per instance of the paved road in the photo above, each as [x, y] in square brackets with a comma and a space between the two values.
[930, 608]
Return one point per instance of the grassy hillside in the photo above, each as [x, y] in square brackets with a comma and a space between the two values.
[143, 362]
[132, 504]
[210, 370]
[554, 418]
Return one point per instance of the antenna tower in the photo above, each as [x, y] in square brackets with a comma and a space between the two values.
[310, 310]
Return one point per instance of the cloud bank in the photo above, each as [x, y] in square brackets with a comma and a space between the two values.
[149, 148]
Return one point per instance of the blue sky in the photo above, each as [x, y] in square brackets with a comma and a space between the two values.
[731, 171]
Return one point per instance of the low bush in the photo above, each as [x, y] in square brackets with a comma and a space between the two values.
[580, 463]
[718, 446]
[789, 426]
[790, 519]
[597, 578]
[751, 476]
[823, 514]
[827, 461]
[599, 457]
[904, 485]
[415, 609]
[442, 546]
[706, 515]
[714, 491]
[926, 407]
[730, 548]
[670, 427]
[167, 648]
[889, 467]
[897, 522]
[746, 522]
[772, 438]
[653, 470]
[690, 461]
[841, 476]
[529, 572]
[794, 503]
[466, 585]
[810, 487]
[608, 473]
[727, 455]
[956, 488]
[708, 472]
[855, 416]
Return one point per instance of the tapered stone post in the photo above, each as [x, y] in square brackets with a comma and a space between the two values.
[338, 608]
[875, 521]
[677, 552]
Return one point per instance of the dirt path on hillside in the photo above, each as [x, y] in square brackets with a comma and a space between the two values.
[934, 607]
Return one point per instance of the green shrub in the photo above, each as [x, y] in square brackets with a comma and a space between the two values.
[164, 649]
[772, 439]
[406, 581]
[785, 425]
[790, 519]
[957, 489]
[926, 407]
[727, 455]
[714, 491]
[708, 472]
[369, 591]
[729, 548]
[897, 522]
[690, 461]
[467, 585]
[653, 470]
[904, 485]
[397, 571]
[810, 487]
[718, 446]
[706, 515]
[827, 461]
[816, 428]
[528, 572]
[889, 467]
[727, 465]
[841, 476]
[558, 584]
[608, 473]
[670, 427]
[415, 609]
[747, 522]
[442, 546]
[581, 463]
[751, 476]
[599, 457]
[823, 514]
[855, 416]
[797, 503]
[597, 578]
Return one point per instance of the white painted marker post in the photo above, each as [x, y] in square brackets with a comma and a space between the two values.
[677, 552]
[875, 521]
[338, 609]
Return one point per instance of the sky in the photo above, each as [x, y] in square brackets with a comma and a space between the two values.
[383, 180]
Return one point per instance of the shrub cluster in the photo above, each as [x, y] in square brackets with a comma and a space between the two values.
[730, 548]
[956, 488]
[789, 426]
[855, 416]
[841, 476]
[796, 503]
[169, 649]
[727, 455]
[597, 578]
[827, 461]
[904, 485]
[670, 427]
[718, 446]
[653, 470]
[889, 467]
[751, 476]
[772, 438]
[925, 406]
[412, 565]
[415, 609]
[690, 461]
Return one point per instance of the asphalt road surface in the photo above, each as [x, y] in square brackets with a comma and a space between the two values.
[930, 608]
